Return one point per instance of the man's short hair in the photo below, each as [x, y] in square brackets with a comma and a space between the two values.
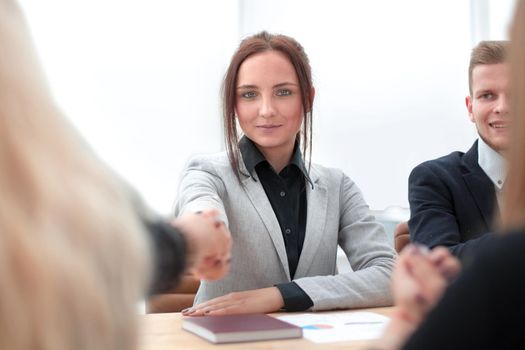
[486, 52]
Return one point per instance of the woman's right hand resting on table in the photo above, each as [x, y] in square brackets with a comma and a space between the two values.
[208, 244]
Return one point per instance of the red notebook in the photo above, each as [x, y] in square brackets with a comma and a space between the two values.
[240, 328]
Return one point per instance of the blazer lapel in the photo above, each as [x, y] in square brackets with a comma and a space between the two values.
[315, 221]
[478, 184]
[263, 206]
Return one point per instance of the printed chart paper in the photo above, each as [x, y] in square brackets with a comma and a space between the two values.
[336, 327]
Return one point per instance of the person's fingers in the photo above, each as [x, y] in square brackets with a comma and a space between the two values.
[228, 310]
[423, 270]
[439, 254]
[198, 309]
[216, 308]
[448, 265]
[209, 241]
[214, 271]
[215, 261]
[224, 249]
[223, 308]
[194, 312]
[227, 259]
[429, 279]
[450, 268]
[402, 280]
[416, 282]
[210, 213]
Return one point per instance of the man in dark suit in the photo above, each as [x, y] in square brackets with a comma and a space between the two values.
[454, 199]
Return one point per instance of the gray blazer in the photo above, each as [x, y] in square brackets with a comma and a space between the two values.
[337, 215]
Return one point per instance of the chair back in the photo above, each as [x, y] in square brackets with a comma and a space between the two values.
[178, 299]
[401, 236]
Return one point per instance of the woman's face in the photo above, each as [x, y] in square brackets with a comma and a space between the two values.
[268, 102]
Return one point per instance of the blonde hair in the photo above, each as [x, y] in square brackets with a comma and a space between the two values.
[513, 213]
[73, 257]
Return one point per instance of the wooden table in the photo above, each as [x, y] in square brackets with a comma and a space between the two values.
[164, 332]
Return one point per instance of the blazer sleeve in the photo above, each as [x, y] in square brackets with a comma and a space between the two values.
[370, 254]
[169, 252]
[433, 220]
[200, 189]
[167, 243]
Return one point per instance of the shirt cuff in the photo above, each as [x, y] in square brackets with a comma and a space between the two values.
[295, 299]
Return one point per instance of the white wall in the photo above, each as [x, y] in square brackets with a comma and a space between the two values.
[141, 79]
[490, 19]
[391, 80]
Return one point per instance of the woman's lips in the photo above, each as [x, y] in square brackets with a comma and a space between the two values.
[268, 127]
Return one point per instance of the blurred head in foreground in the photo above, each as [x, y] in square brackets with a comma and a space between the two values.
[513, 213]
[68, 233]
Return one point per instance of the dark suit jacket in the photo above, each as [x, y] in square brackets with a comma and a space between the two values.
[483, 308]
[452, 202]
[169, 255]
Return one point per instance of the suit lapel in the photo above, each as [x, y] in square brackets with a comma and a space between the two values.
[263, 206]
[315, 221]
[479, 184]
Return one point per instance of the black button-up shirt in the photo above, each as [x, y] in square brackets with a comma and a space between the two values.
[286, 192]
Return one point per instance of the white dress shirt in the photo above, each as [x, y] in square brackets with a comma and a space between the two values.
[494, 165]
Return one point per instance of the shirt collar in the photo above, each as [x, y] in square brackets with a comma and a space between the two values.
[250, 154]
[492, 163]
[252, 157]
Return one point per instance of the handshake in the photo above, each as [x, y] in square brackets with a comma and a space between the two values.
[208, 244]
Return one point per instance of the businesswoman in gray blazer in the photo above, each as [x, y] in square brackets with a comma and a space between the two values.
[286, 215]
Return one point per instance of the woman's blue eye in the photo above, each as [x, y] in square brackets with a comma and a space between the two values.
[249, 94]
[284, 92]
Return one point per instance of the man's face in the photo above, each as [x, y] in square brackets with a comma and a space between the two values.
[488, 106]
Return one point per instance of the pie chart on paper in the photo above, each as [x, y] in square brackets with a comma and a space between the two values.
[318, 326]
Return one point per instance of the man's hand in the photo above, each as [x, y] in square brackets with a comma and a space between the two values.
[420, 278]
[209, 244]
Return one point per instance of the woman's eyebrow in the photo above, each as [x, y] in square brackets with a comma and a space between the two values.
[284, 84]
[247, 86]
[251, 86]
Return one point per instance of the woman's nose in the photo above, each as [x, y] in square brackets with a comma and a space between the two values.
[266, 109]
